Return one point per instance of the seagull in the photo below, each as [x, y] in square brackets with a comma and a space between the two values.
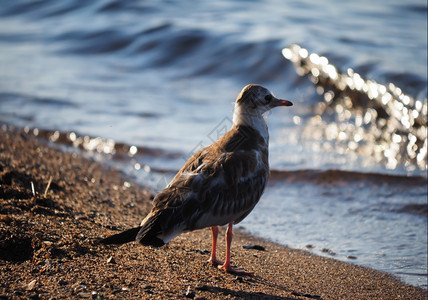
[218, 185]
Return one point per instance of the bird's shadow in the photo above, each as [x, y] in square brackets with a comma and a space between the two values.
[242, 294]
[256, 295]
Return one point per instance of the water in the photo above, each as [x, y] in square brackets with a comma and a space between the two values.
[162, 76]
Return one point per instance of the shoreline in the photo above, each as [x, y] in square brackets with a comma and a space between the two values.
[56, 205]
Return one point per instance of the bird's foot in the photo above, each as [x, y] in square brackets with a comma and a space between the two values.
[234, 270]
[215, 261]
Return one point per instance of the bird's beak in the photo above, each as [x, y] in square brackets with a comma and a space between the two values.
[281, 102]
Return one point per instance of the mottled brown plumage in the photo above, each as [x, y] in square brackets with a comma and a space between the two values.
[218, 185]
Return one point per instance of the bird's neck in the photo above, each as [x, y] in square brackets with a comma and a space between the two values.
[256, 121]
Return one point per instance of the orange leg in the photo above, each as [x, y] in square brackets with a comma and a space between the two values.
[226, 266]
[213, 259]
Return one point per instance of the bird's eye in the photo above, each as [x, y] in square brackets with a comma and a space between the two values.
[268, 98]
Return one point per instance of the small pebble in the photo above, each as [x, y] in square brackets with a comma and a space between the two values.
[84, 295]
[31, 285]
[352, 257]
[328, 251]
[189, 293]
[111, 260]
[80, 217]
[255, 247]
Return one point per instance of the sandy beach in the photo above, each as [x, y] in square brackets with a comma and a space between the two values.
[55, 206]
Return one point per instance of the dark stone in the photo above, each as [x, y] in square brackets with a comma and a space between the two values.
[255, 247]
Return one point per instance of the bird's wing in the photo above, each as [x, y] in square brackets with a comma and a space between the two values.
[213, 188]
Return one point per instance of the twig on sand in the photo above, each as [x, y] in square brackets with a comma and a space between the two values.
[47, 187]
[32, 189]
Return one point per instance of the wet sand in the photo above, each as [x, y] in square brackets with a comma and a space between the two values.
[49, 249]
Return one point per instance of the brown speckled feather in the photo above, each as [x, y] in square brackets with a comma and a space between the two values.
[219, 184]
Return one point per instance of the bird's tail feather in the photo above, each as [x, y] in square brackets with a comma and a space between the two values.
[153, 231]
[150, 230]
[122, 238]
[146, 234]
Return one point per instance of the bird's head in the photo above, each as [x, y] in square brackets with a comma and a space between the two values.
[255, 100]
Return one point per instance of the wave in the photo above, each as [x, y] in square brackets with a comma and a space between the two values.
[20, 100]
[377, 119]
[167, 41]
[337, 176]
[164, 42]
